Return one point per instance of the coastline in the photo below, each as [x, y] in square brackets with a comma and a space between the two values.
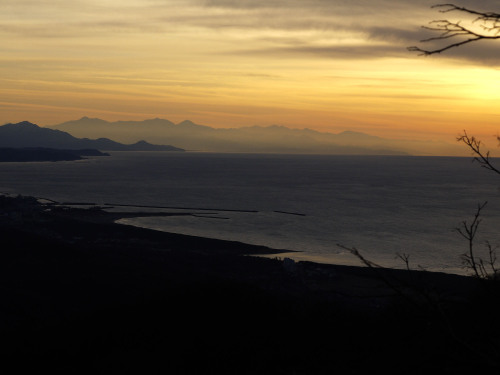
[112, 297]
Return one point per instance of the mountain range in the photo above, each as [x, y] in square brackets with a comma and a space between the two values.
[26, 134]
[271, 139]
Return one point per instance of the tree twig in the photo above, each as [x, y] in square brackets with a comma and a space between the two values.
[481, 157]
[490, 24]
[469, 231]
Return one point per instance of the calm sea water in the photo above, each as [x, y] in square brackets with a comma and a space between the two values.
[309, 203]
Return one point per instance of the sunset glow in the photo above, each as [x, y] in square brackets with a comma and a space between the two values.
[325, 65]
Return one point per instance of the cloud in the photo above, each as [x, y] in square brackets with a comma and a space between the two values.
[387, 24]
[325, 28]
[364, 52]
[212, 14]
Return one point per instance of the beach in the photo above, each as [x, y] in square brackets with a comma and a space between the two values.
[81, 293]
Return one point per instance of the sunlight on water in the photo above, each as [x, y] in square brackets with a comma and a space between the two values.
[307, 203]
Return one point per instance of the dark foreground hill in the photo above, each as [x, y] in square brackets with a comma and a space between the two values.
[26, 134]
[83, 295]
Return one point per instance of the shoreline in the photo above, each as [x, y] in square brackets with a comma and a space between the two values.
[110, 298]
[101, 216]
[70, 217]
[96, 225]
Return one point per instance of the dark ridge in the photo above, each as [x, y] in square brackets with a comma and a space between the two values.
[83, 295]
[26, 134]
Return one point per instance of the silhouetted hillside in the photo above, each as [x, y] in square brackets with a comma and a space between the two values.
[26, 134]
[271, 139]
[84, 295]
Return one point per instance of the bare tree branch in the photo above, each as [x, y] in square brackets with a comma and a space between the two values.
[468, 231]
[492, 260]
[489, 22]
[481, 157]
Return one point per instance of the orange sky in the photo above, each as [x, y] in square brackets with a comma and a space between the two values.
[240, 63]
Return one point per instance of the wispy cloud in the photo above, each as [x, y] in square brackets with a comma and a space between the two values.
[325, 27]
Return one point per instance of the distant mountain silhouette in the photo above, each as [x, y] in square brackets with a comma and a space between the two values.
[25, 134]
[271, 139]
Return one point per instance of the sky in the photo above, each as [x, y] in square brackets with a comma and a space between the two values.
[327, 65]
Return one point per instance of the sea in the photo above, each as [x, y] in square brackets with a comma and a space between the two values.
[318, 206]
